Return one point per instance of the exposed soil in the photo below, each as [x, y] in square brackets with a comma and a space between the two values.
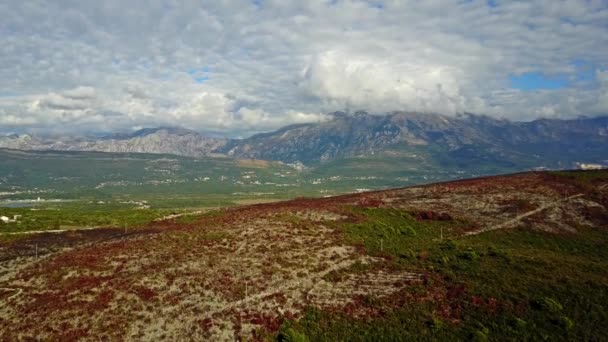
[234, 274]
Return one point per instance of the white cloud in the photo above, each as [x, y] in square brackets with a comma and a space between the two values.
[80, 93]
[236, 67]
[345, 80]
[602, 103]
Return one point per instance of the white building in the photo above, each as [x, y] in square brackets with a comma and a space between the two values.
[5, 219]
[584, 166]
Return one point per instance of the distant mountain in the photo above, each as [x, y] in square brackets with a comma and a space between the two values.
[18, 142]
[164, 140]
[468, 137]
[462, 141]
[148, 131]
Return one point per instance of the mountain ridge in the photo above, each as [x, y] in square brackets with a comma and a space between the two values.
[348, 135]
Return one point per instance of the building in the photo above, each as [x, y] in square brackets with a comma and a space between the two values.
[5, 219]
[584, 166]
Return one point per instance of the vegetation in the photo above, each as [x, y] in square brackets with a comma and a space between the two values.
[587, 177]
[191, 181]
[395, 232]
[500, 285]
[78, 215]
[495, 258]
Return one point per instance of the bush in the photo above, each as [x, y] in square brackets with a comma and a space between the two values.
[494, 251]
[469, 254]
[566, 322]
[290, 335]
[408, 231]
[447, 245]
[435, 324]
[519, 323]
[480, 336]
[551, 305]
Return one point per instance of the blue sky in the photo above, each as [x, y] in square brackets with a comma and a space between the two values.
[199, 75]
[536, 80]
[583, 76]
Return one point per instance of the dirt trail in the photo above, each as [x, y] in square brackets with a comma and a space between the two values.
[18, 291]
[518, 218]
[168, 217]
[307, 282]
[51, 231]
[173, 216]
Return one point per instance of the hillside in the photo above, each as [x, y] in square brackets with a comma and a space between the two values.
[502, 258]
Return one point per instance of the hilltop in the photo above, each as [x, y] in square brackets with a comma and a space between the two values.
[508, 257]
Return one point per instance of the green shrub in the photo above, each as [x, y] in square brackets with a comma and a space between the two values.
[480, 336]
[409, 231]
[495, 252]
[566, 322]
[551, 305]
[290, 335]
[469, 254]
[519, 323]
[447, 245]
[435, 324]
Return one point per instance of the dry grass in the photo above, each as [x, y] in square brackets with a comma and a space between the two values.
[253, 163]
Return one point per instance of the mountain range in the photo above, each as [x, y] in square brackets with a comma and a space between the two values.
[166, 140]
[451, 139]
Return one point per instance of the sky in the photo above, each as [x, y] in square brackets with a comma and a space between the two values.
[235, 67]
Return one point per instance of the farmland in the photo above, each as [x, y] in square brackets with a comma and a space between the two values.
[496, 258]
[174, 181]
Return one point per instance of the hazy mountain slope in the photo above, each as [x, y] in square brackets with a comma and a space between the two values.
[460, 140]
[157, 140]
[363, 134]
[19, 142]
[348, 135]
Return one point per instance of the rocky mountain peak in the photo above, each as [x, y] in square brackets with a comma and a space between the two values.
[357, 134]
[167, 130]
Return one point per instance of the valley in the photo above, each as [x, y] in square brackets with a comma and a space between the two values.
[431, 232]
[175, 181]
[303, 171]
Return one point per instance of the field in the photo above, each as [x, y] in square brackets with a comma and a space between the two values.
[518, 257]
[52, 190]
[172, 181]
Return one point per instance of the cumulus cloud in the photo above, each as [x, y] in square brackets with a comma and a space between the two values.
[602, 103]
[240, 66]
[80, 93]
[73, 99]
[345, 80]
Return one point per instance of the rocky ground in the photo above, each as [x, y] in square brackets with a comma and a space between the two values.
[239, 273]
